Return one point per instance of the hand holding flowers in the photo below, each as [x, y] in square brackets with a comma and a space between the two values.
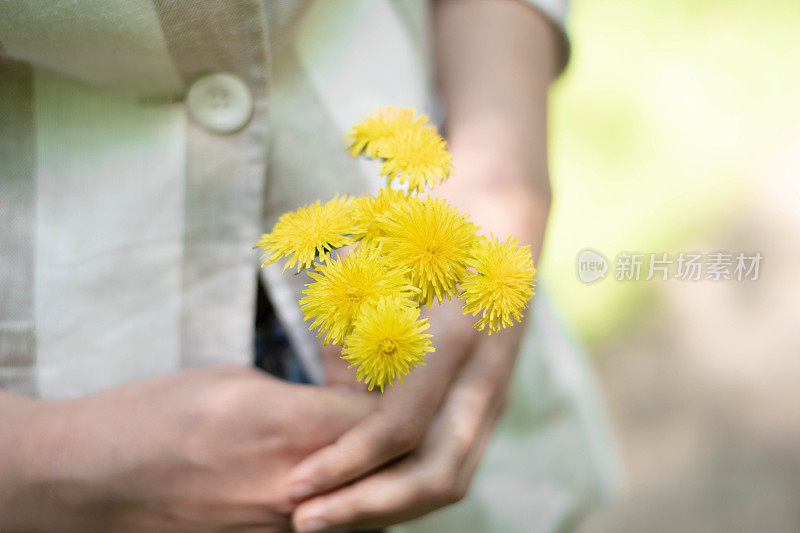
[411, 252]
[420, 447]
[440, 420]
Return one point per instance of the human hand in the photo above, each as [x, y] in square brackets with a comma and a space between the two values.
[199, 450]
[434, 427]
[420, 447]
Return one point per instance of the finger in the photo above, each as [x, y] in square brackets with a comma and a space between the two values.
[336, 371]
[378, 439]
[326, 414]
[428, 479]
[439, 472]
[481, 387]
[322, 403]
[393, 495]
[394, 429]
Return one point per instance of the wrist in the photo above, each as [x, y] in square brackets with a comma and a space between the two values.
[17, 441]
[29, 456]
[501, 202]
[493, 167]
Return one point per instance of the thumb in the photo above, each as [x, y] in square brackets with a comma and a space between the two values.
[337, 373]
[333, 411]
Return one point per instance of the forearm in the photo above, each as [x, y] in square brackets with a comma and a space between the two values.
[20, 444]
[495, 61]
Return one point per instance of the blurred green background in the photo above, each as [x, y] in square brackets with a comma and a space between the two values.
[676, 127]
[661, 125]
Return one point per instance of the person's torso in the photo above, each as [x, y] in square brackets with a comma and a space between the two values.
[135, 207]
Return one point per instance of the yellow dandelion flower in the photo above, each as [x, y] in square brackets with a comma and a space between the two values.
[369, 134]
[502, 283]
[387, 342]
[431, 241]
[342, 286]
[311, 231]
[367, 208]
[417, 157]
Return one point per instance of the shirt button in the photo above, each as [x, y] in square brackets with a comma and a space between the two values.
[220, 102]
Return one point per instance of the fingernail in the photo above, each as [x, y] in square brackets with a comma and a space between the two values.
[315, 524]
[300, 491]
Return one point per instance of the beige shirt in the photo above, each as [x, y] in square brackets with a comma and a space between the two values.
[134, 180]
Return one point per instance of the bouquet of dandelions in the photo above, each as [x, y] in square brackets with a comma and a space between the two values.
[410, 251]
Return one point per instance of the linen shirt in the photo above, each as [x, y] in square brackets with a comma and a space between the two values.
[144, 147]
